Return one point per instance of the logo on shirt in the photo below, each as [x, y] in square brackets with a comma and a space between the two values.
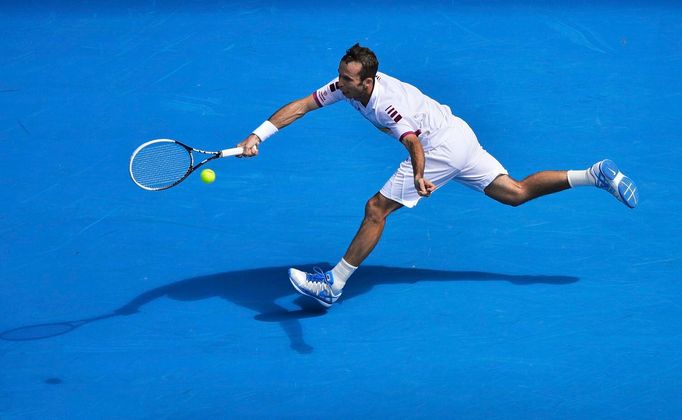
[334, 86]
[393, 114]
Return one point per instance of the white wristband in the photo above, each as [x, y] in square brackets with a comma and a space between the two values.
[265, 130]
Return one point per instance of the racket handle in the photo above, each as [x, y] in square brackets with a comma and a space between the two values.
[232, 152]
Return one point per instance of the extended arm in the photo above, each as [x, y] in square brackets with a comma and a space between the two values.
[280, 119]
[414, 147]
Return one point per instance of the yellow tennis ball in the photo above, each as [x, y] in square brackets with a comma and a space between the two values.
[208, 176]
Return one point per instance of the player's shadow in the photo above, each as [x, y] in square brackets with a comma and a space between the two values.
[262, 291]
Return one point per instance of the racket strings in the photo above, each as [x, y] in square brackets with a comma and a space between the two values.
[161, 165]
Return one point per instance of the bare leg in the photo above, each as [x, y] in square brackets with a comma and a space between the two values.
[509, 191]
[377, 210]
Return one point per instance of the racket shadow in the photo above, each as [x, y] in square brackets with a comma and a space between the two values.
[260, 290]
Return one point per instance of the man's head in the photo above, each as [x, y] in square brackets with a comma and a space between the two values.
[365, 57]
[357, 70]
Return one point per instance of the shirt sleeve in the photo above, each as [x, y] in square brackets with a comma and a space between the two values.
[399, 125]
[328, 94]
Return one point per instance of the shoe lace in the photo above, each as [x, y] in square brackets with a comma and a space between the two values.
[319, 276]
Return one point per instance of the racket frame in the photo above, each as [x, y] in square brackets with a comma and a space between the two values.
[234, 151]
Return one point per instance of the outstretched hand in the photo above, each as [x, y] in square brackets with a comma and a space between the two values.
[250, 145]
[424, 186]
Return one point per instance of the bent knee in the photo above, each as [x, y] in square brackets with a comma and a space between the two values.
[373, 210]
[378, 208]
[510, 192]
[516, 198]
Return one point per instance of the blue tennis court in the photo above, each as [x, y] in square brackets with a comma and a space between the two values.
[122, 303]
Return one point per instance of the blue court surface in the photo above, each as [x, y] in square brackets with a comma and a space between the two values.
[122, 303]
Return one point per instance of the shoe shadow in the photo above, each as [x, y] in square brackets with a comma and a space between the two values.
[260, 289]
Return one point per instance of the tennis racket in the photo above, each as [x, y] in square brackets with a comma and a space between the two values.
[164, 163]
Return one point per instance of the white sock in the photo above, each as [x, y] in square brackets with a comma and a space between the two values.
[341, 272]
[580, 178]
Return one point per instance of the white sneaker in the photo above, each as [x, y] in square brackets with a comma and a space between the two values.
[609, 178]
[317, 285]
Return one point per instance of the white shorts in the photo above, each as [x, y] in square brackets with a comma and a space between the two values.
[459, 156]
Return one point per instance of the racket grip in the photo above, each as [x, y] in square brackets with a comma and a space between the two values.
[232, 152]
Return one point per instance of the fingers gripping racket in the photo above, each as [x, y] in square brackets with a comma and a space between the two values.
[163, 163]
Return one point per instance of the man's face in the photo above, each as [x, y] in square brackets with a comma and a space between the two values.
[349, 80]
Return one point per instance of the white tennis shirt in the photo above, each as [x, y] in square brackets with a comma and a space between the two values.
[396, 108]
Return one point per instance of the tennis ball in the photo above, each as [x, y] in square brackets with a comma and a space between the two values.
[208, 176]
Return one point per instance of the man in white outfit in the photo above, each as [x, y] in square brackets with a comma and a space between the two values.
[441, 146]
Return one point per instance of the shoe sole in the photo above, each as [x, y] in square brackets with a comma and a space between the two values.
[627, 189]
[304, 293]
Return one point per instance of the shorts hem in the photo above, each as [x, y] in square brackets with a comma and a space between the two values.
[406, 203]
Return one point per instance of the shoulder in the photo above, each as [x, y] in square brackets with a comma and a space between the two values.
[391, 99]
[396, 87]
[387, 80]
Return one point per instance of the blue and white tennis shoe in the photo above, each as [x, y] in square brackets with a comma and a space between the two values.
[317, 285]
[609, 178]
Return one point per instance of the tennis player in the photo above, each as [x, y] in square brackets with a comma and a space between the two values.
[441, 147]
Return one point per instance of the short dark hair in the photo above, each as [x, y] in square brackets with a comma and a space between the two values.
[364, 56]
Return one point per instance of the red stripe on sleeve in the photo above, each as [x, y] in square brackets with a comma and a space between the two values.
[405, 134]
[317, 99]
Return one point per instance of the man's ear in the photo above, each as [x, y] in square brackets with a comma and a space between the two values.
[367, 83]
